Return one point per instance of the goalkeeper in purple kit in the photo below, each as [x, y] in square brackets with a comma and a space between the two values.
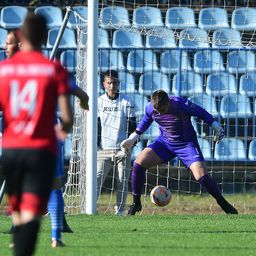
[177, 139]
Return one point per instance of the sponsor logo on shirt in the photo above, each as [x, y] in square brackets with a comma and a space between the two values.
[110, 109]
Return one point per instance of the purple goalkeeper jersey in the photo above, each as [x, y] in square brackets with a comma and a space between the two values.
[175, 126]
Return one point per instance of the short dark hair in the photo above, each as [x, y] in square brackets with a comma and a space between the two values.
[34, 29]
[159, 98]
[111, 73]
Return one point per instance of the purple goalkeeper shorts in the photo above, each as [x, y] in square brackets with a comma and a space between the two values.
[187, 152]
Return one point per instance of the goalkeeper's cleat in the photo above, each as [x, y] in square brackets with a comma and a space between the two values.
[57, 243]
[226, 206]
[65, 227]
[134, 208]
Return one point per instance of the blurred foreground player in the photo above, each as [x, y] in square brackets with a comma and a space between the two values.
[177, 138]
[30, 87]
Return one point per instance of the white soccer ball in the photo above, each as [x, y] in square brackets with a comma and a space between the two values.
[160, 196]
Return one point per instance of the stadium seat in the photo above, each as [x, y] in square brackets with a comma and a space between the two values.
[127, 82]
[207, 62]
[126, 39]
[244, 19]
[2, 55]
[68, 39]
[67, 147]
[152, 81]
[193, 38]
[114, 17]
[205, 148]
[52, 14]
[160, 38]
[136, 150]
[240, 62]
[3, 34]
[190, 83]
[180, 18]
[220, 84]
[152, 132]
[147, 17]
[235, 106]
[140, 102]
[230, 149]
[110, 59]
[12, 16]
[140, 61]
[194, 124]
[226, 38]
[82, 11]
[170, 61]
[247, 85]
[205, 101]
[68, 60]
[252, 150]
[213, 18]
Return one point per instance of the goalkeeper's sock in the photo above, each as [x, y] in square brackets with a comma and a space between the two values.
[56, 210]
[211, 186]
[25, 237]
[138, 176]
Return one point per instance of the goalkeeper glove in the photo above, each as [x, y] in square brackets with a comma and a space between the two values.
[218, 132]
[127, 144]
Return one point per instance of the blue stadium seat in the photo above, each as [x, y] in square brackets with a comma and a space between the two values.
[160, 38]
[190, 83]
[126, 39]
[140, 61]
[68, 39]
[147, 17]
[213, 18]
[82, 11]
[240, 62]
[152, 132]
[205, 101]
[226, 38]
[2, 55]
[52, 14]
[152, 81]
[180, 18]
[244, 19]
[170, 61]
[114, 17]
[247, 85]
[220, 84]
[235, 106]
[252, 150]
[68, 60]
[46, 52]
[140, 102]
[205, 148]
[127, 82]
[110, 59]
[194, 124]
[3, 34]
[67, 147]
[136, 150]
[193, 38]
[12, 16]
[230, 149]
[207, 62]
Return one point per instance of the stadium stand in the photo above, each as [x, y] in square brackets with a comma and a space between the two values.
[3, 33]
[127, 82]
[126, 39]
[252, 150]
[68, 59]
[244, 19]
[247, 84]
[82, 11]
[206, 148]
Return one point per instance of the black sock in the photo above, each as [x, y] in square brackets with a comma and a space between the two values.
[136, 199]
[25, 237]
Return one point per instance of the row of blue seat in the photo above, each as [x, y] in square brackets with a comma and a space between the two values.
[243, 18]
[229, 149]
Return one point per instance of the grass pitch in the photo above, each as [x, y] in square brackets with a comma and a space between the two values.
[148, 235]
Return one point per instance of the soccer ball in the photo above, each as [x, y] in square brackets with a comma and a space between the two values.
[160, 196]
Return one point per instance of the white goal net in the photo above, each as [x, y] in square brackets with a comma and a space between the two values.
[195, 49]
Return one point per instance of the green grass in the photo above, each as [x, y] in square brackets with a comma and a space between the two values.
[149, 235]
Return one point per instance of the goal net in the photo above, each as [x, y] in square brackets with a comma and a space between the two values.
[189, 49]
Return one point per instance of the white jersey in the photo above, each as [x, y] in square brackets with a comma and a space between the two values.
[114, 116]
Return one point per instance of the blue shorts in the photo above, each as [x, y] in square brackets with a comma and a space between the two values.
[59, 169]
[187, 152]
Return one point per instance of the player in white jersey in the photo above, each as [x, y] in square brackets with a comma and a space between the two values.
[116, 121]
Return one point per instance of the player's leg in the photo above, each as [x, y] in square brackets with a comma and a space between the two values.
[104, 165]
[199, 171]
[123, 172]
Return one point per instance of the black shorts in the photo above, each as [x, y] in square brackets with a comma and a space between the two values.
[29, 176]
